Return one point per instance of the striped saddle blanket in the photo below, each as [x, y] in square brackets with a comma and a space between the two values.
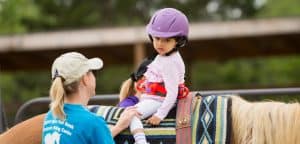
[165, 133]
[210, 123]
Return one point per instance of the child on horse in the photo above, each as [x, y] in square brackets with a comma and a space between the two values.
[162, 82]
[129, 92]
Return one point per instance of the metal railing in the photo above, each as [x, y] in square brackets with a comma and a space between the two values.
[3, 121]
[112, 98]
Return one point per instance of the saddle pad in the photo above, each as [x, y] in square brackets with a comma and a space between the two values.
[165, 133]
[212, 120]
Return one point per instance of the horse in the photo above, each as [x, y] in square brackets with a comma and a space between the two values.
[266, 122]
[26, 132]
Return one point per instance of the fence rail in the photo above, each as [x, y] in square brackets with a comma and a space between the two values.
[3, 120]
[112, 98]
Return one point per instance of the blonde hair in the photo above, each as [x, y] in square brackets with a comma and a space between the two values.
[57, 94]
[127, 88]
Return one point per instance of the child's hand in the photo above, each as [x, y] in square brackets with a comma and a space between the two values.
[154, 120]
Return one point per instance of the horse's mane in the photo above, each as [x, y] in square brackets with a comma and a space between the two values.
[265, 122]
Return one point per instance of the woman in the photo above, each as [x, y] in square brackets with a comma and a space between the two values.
[68, 121]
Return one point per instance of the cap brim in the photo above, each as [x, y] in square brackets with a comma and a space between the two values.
[95, 63]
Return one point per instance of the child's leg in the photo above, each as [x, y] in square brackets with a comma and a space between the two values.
[136, 128]
[146, 108]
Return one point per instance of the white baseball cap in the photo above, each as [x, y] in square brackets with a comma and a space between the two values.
[72, 66]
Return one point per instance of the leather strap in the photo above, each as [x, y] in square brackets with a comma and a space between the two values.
[183, 120]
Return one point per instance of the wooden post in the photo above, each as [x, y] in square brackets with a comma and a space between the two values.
[139, 54]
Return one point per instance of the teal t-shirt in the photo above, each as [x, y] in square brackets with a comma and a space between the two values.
[80, 127]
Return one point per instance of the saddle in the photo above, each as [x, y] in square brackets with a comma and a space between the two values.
[185, 108]
[211, 119]
[195, 119]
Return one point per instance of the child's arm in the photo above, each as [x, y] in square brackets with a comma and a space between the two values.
[171, 80]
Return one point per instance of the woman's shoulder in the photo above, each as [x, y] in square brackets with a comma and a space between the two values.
[91, 120]
[98, 123]
[94, 117]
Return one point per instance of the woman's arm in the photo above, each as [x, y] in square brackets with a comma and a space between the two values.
[124, 120]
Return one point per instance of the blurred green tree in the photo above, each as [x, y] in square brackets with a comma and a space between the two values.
[279, 8]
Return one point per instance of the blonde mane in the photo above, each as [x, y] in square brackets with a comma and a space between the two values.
[265, 122]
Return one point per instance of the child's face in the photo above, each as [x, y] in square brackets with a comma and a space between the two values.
[163, 45]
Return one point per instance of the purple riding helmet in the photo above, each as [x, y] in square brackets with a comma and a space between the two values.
[168, 22]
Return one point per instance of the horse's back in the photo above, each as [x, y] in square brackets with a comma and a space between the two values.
[27, 132]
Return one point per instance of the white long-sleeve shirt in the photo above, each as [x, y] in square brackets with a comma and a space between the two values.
[170, 70]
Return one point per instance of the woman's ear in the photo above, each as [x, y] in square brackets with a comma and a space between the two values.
[85, 79]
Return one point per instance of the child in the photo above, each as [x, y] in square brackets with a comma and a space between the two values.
[163, 81]
[129, 92]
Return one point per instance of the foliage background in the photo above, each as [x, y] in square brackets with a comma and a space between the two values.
[29, 16]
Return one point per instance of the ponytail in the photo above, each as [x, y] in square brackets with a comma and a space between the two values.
[127, 88]
[57, 94]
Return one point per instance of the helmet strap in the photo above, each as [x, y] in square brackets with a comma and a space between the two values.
[171, 51]
[150, 37]
[181, 41]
